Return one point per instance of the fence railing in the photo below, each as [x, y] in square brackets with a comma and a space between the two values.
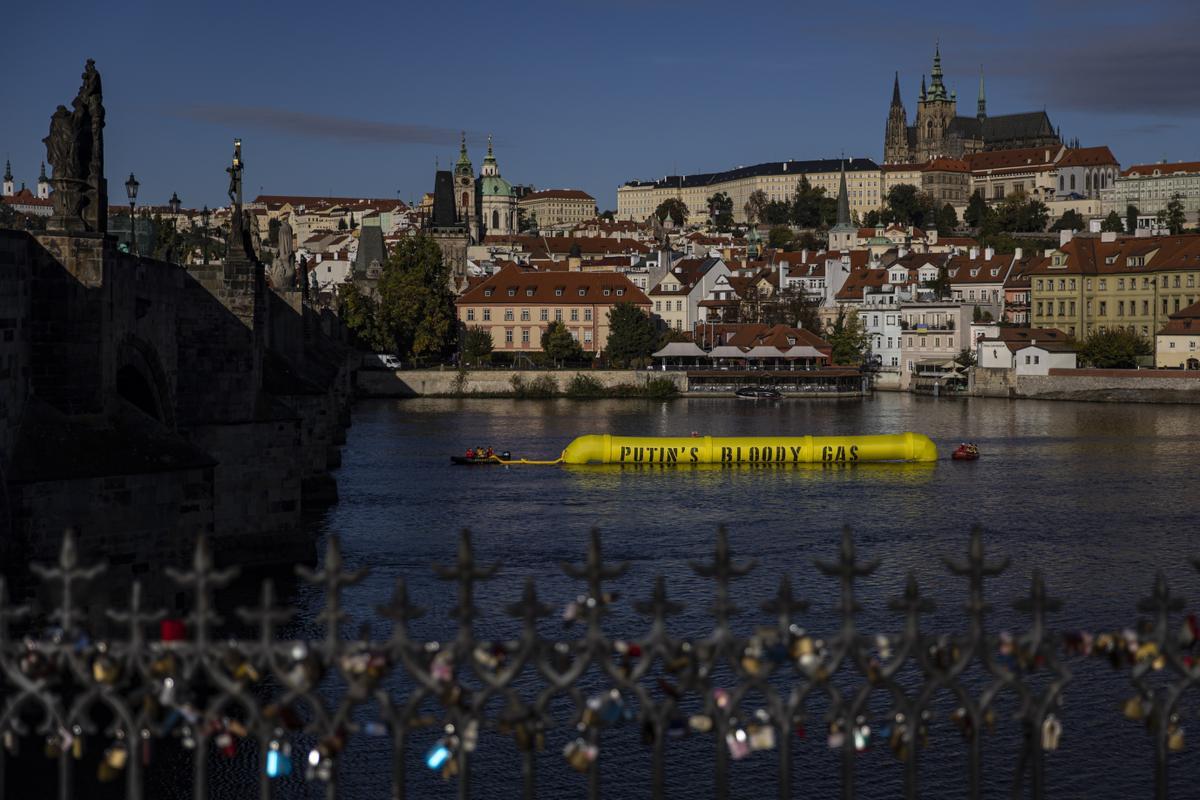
[191, 684]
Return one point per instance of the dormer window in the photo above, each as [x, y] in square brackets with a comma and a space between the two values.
[582, 292]
[1135, 261]
[512, 292]
[620, 292]
[607, 292]
[487, 292]
[558, 292]
[1110, 260]
[1058, 260]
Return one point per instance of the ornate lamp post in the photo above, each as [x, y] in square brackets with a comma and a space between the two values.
[131, 187]
[204, 223]
[174, 203]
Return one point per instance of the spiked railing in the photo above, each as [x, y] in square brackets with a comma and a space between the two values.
[209, 692]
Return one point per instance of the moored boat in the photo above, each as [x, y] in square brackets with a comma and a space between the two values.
[476, 461]
[757, 393]
[965, 452]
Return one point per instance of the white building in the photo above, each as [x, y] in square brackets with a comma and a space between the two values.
[1026, 351]
[1150, 187]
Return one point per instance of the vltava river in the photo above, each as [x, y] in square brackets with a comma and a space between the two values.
[1098, 496]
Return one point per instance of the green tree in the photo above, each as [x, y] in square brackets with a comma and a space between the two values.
[1114, 349]
[720, 211]
[806, 204]
[781, 238]
[871, 219]
[1131, 217]
[1174, 217]
[947, 220]
[793, 307]
[416, 306]
[777, 212]
[977, 211]
[476, 345]
[631, 336]
[1071, 220]
[849, 338]
[965, 358]
[1112, 223]
[673, 207]
[755, 204]
[342, 224]
[360, 314]
[904, 205]
[559, 345]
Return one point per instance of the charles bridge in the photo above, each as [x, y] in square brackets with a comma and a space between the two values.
[146, 403]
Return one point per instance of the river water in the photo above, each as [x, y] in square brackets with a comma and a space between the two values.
[1097, 496]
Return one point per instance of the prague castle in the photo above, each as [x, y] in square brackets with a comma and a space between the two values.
[940, 131]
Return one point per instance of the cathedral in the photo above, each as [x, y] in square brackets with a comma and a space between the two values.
[939, 131]
[487, 204]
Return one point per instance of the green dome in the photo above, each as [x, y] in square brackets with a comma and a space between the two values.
[495, 186]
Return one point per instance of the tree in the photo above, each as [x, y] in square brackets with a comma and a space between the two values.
[526, 221]
[342, 224]
[871, 219]
[777, 212]
[977, 211]
[720, 211]
[1071, 220]
[675, 208]
[559, 345]
[947, 220]
[965, 358]
[360, 314]
[1131, 218]
[416, 306]
[1174, 216]
[806, 204]
[631, 336]
[476, 345]
[1112, 223]
[904, 205]
[755, 205]
[781, 238]
[1115, 349]
[795, 308]
[849, 338]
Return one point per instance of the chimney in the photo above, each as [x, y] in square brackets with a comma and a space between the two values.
[901, 252]
[973, 253]
[988, 253]
[783, 269]
[1017, 253]
[1108, 236]
[1064, 237]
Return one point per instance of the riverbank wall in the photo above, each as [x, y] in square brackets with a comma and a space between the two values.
[1090, 385]
[450, 382]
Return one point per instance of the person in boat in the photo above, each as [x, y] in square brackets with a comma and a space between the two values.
[470, 452]
[490, 453]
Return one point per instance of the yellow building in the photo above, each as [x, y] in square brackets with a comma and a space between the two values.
[558, 207]
[1094, 284]
[778, 180]
[1177, 345]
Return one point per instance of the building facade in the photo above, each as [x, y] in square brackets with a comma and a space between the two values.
[553, 208]
[637, 200]
[516, 307]
[940, 131]
[1177, 345]
[497, 200]
[1150, 187]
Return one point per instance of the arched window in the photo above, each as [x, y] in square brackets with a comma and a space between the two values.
[495, 219]
[465, 201]
[1072, 182]
[929, 129]
[1087, 182]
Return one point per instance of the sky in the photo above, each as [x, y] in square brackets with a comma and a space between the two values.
[365, 99]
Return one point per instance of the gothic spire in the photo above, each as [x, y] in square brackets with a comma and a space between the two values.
[464, 161]
[981, 106]
[8, 176]
[843, 209]
[922, 88]
[896, 90]
[42, 175]
[936, 87]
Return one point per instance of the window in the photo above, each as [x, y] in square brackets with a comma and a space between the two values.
[587, 337]
[620, 292]
[1062, 308]
[1176, 281]
[1039, 284]
[508, 336]
[657, 305]
[679, 305]
[607, 292]
[1120, 283]
[470, 315]
[1088, 284]
[574, 315]
[1037, 359]
[1026, 359]
[558, 292]
[582, 291]
[512, 291]
[1072, 308]
[1103, 308]
[544, 314]
[524, 336]
[524, 315]
[508, 315]
[1072, 284]
[1103, 285]
[487, 292]
[487, 315]
[587, 315]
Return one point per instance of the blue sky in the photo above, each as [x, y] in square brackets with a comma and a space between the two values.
[360, 99]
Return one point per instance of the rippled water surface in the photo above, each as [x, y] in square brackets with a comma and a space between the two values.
[1097, 496]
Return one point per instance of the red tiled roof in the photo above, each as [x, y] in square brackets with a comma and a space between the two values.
[558, 194]
[1147, 170]
[1011, 159]
[942, 164]
[1088, 157]
[541, 288]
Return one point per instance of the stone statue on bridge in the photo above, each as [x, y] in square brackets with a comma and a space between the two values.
[283, 269]
[75, 150]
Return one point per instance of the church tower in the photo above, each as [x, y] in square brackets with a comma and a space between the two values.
[981, 104]
[843, 234]
[935, 111]
[8, 180]
[895, 137]
[464, 186]
[43, 184]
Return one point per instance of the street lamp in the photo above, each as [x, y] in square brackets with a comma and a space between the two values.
[174, 203]
[131, 187]
[204, 221]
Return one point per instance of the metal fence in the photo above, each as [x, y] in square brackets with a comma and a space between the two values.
[190, 684]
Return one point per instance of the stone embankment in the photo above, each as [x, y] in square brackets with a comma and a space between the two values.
[1091, 385]
[450, 382]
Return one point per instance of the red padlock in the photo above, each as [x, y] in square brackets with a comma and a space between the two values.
[172, 630]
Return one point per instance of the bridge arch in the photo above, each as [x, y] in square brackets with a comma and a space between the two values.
[142, 381]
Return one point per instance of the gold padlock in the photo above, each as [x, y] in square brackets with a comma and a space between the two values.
[105, 670]
[1175, 738]
[1134, 709]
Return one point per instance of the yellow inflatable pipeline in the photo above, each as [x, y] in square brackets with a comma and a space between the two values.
[607, 449]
